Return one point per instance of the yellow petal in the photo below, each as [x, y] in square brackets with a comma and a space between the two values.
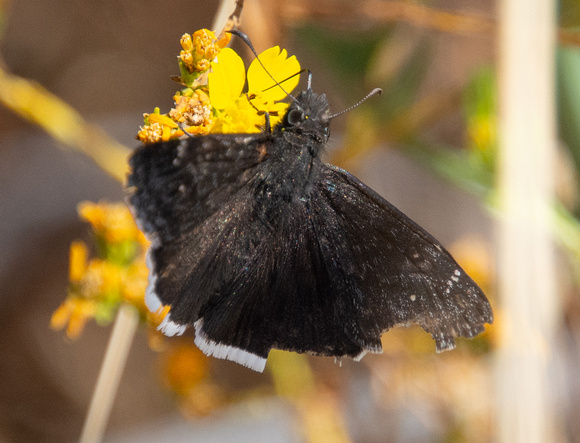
[239, 118]
[162, 119]
[279, 67]
[60, 317]
[92, 213]
[78, 261]
[82, 311]
[226, 79]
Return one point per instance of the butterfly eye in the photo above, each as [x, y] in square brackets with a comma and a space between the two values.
[295, 116]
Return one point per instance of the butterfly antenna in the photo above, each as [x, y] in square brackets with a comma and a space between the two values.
[248, 42]
[369, 95]
[185, 132]
[287, 78]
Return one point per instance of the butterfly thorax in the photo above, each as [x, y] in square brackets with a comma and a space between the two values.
[293, 163]
[306, 122]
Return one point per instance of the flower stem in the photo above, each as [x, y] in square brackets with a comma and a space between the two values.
[111, 370]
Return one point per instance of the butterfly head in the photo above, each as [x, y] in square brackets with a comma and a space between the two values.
[308, 116]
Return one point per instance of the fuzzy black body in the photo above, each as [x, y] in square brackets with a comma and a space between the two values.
[258, 244]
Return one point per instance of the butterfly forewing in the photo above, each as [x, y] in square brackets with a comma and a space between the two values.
[403, 275]
[179, 192]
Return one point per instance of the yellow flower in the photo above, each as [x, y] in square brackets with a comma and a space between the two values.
[226, 80]
[213, 100]
[282, 68]
[101, 279]
[134, 282]
[237, 112]
[184, 367]
[118, 274]
[75, 311]
[157, 128]
[77, 261]
[200, 48]
[482, 131]
[111, 221]
[194, 111]
[151, 133]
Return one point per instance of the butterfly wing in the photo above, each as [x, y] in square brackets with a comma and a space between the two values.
[393, 270]
[282, 298]
[245, 284]
[333, 272]
[176, 189]
[338, 269]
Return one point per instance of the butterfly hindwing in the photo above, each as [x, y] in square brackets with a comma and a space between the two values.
[283, 298]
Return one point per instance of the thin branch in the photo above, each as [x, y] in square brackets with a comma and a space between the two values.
[526, 256]
[394, 11]
[112, 368]
[377, 11]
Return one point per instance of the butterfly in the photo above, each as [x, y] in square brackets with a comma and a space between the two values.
[257, 244]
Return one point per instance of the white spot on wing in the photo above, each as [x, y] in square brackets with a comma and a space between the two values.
[170, 328]
[457, 272]
[151, 299]
[181, 149]
[413, 297]
[454, 278]
[225, 352]
[360, 355]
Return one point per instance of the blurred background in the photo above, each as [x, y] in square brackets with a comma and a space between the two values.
[429, 145]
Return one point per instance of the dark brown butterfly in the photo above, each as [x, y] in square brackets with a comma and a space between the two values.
[259, 244]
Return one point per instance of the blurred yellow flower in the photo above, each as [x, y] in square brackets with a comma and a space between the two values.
[482, 132]
[475, 258]
[73, 313]
[118, 274]
[101, 279]
[77, 261]
[184, 367]
[111, 221]
[134, 281]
